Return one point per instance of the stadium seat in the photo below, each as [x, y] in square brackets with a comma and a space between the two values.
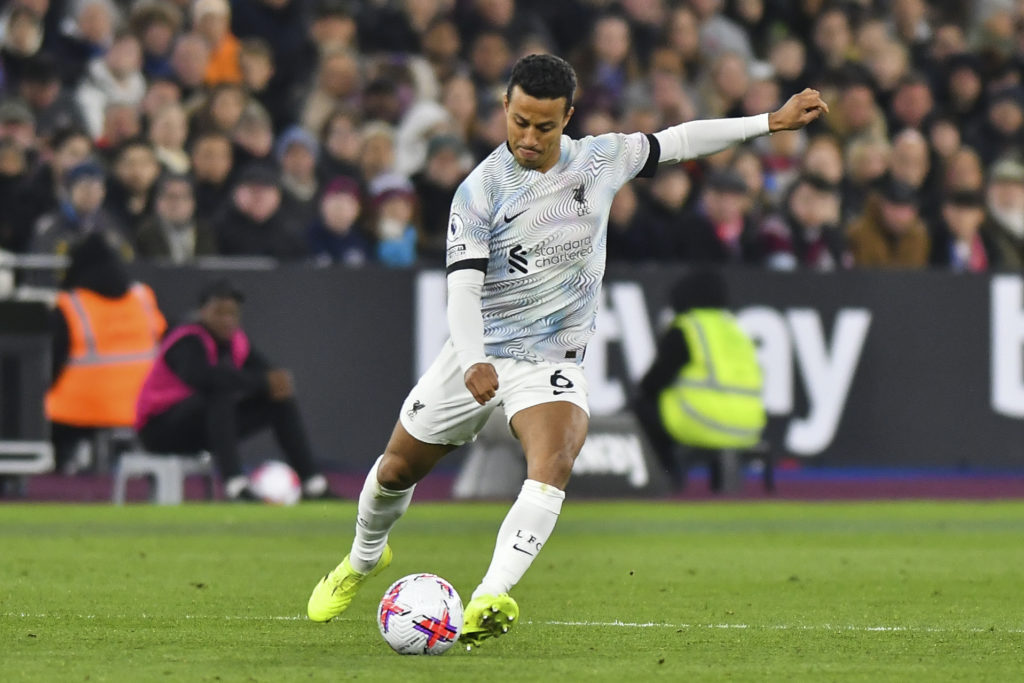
[168, 473]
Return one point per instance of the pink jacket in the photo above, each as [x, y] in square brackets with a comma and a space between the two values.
[163, 389]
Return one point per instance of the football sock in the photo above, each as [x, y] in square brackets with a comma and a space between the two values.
[379, 509]
[523, 533]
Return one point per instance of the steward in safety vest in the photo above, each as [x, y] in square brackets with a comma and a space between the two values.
[704, 388]
[106, 331]
[715, 400]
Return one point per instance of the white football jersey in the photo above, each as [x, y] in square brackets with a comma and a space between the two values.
[540, 239]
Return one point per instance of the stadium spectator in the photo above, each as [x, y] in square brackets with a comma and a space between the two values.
[857, 112]
[256, 62]
[19, 44]
[15, 219]
[121, 121]
[782, 154]
[211, 19]
[888, 66]
[172, 233]
[631, 235]
[213, 160]
[160, 92]
[114, 77]
[52, 106]
[682, 36]
[283, 24]
[377, 152]
[209, 389]
[1005, 203]
[608, 63]
[338, 83]
[823, 158]
[964, 90]
[911, 165]
[18, 125]
[890, 233]
[394, 228]
[720, 231]
[490, 57]
[958, 243]
[341, 144]
[806, 232]
[168, 133]
[703, 390]
[85, 34]
[156, 23]
[912, 103]
[832, 43]
[67, 149]
[944, 138]
[254, 222]
[296, 153]
[459, 98]
[442, 47]
[336, 236]
[718, 33]
[664, 204]
[254, 135]
[334, 27]
[135, 170]
[728, 84]
[105, 330]
[964, 171]
[748, 165]
[222, 109]
[867, 164]
[80, 213]
[189, 60]
[1003, 126]
[448, 163]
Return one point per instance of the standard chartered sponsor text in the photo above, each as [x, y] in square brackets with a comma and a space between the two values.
[555, 254]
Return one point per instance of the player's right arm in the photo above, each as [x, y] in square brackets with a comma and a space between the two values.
[468, 253]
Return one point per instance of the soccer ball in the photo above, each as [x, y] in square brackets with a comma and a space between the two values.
[276, 483]
[420, 614]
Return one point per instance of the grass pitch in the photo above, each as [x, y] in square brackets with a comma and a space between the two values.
[623, 591]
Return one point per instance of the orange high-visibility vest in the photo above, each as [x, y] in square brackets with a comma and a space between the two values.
[112, 346]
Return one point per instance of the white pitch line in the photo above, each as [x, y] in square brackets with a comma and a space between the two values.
[594, 624]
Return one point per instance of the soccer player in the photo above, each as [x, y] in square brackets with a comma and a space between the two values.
[525, 257]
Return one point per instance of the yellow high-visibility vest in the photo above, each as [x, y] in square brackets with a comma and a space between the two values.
[715, 402]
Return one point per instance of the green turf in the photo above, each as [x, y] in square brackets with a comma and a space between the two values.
[716, 591]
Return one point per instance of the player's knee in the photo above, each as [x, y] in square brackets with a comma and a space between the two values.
[396, 473]
[554, 469]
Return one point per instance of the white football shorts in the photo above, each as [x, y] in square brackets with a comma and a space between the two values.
[440, 409]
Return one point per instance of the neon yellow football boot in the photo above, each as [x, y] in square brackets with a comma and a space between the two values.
[335, 591]
[488, 616]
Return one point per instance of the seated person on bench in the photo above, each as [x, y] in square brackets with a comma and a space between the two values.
[209, 389]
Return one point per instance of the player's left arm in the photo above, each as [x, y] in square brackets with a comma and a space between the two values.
[699, 138]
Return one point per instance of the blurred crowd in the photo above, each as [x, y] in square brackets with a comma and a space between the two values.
[336, 132]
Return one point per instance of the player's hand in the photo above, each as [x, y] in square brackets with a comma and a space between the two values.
[281, 384]
[798, 111]
[482, 381]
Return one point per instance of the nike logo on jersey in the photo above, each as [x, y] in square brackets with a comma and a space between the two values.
[509, 219]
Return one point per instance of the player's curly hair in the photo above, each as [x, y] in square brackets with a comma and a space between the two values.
[544, 77]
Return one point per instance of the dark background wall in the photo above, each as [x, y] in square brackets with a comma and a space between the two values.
[921, 383]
